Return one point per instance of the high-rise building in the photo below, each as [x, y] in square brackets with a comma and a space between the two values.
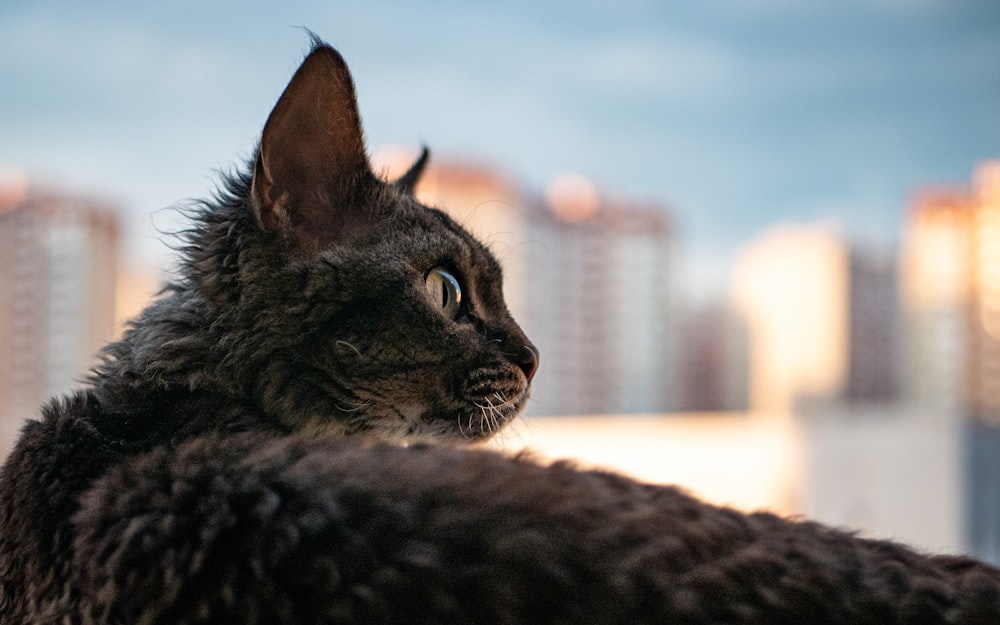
[951, 296]
[935, 276]
[981, 370]
[57, 278]
[600, 306]
[983, 356]
[791, 284]
[873, 337]
[712, 361]
[821, 316]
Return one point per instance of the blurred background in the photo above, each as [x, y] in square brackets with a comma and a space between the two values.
[757, 243]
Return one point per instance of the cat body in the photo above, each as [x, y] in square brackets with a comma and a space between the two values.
[313, 299]
[253, 528]
[228, 462]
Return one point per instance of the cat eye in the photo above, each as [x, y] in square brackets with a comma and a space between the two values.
[444, 291]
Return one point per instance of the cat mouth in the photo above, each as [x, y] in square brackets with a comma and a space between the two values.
[473, 418]
[490, 415]
[478, 408]
[493, 396]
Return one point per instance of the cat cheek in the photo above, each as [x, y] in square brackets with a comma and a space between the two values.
[492, 377]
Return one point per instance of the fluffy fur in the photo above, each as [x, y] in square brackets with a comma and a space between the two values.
[221, 467]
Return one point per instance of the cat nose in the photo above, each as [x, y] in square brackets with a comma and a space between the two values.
[528, 361]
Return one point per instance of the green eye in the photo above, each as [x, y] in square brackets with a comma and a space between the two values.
[444, 291]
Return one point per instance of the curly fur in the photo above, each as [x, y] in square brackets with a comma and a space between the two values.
[221, 467]
[299, 531]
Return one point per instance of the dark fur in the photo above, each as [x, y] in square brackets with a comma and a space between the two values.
[220, 467]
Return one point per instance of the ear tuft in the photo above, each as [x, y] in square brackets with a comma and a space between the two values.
[408, 181]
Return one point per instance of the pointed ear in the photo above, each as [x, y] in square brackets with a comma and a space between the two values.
[408, 181]
[311, 167]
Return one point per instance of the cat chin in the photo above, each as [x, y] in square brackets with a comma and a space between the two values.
[466, 421]
[468, 428]
[413, 426]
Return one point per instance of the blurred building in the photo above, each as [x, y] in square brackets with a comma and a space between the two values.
[887, 470]
[600, 303]
[791, 284]
[57, 294]
[951, 297]
[822, 319]
[825, 346]
[935, 276]
[983, 357]
[873, 337]
[712, 361]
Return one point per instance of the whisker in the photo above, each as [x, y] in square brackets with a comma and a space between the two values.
[485, 421]
[346, 344]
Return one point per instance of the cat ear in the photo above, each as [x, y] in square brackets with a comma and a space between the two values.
[311, 169]
[408, 181]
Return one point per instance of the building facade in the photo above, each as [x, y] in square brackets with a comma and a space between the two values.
[935, 275]
[600, 309]
[712, 360]
[57, 285]
[822, 316]
[873, 336]
[951, 298]
[982, 369]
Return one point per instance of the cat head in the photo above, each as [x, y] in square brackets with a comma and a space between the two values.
[341, 302]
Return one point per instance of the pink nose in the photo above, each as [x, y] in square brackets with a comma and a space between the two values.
[528, 361]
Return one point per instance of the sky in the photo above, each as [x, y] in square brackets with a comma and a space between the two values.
[733, 115]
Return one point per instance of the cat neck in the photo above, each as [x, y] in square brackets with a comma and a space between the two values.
[170, 345]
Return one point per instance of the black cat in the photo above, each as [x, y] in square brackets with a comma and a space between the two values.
[314, 299]
[222, 465]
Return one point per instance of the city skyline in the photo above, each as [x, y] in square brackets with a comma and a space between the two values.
[831, 437]
[734, 116]
[811, 312]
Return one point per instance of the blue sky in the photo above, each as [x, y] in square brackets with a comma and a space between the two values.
[733, 114]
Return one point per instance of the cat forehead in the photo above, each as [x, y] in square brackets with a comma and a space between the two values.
[406, 229]
[465, 244]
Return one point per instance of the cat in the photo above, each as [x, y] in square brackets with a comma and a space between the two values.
[313, 297]
[236, 456]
